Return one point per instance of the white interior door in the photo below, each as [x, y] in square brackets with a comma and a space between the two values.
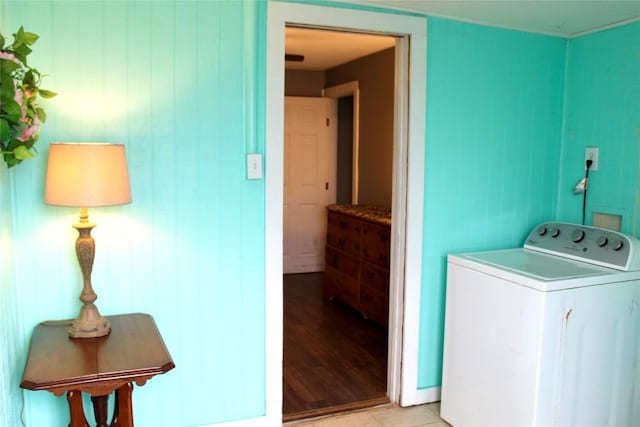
[310, 144]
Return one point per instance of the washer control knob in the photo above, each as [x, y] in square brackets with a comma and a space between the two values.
[555, 232]
[602, 241]
[617, 245]
[542, 230]
[577, 236]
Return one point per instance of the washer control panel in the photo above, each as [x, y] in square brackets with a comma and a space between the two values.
[588, 244]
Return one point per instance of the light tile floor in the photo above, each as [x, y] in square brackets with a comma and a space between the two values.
[387, 416]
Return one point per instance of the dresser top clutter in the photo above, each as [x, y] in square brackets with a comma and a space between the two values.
[372, 213]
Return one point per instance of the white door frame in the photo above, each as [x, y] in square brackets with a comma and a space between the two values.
[409, 135]
[339, 91]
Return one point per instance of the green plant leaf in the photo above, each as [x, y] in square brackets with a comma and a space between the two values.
[7, 90]
[29, 38]
[11, 160]
[12, 111]
[23, 153]
[13, 144]
[42, 116]
[1, 42]
[22, 52]
[4, 129]
[36, 74]
[28, 78]
[47, 93]
[7, 66]
[17, 37]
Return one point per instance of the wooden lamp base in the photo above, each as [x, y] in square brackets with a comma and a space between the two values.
[89, 323]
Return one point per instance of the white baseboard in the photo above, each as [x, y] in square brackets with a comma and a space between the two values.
[421, 396]
[249, 422]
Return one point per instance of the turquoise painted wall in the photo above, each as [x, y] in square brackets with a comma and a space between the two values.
[494, 117]
[177, 83]
[603, 110]
[10, 361]
[181, 84]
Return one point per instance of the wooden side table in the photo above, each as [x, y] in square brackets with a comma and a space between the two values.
[133, 352]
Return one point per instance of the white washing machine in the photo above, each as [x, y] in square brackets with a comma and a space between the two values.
[545, 335]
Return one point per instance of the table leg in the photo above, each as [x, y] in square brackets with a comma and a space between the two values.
[75, 409]
[100, 409]
[123, 408]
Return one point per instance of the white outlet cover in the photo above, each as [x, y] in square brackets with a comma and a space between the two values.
[591, 153]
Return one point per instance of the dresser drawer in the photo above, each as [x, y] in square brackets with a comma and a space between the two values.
[340, 286]
[375, 277]
[341, 261]
[376, 241]
[344, 233]
[374, 305]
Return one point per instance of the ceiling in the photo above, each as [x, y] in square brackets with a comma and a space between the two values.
[560, 17]
[564, 18]
[324, 49]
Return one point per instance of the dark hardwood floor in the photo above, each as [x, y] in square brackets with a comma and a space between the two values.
[333, 357]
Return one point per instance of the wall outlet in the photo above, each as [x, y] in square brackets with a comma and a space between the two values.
[591, 153]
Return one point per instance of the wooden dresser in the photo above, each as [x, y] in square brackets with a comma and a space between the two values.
[357, 259]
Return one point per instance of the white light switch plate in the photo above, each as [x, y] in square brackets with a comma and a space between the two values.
[254, 166]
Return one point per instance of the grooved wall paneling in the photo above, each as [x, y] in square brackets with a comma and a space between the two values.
[169, 80]
[494, 116]
[603, 110]
[10, 362]
[181, 84]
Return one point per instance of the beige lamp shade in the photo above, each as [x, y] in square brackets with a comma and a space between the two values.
[87, 175]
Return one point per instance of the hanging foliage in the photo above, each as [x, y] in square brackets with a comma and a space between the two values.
[20, 114]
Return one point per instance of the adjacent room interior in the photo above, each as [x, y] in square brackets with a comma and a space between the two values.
[338, 150]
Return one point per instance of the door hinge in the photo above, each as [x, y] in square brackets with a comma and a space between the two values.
[327, 121]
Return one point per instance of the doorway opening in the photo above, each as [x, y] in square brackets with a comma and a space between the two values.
[345, 180]
[336, 311]
[407, 204]
[348, 152]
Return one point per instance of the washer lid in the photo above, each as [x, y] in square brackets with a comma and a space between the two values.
[538, 265]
